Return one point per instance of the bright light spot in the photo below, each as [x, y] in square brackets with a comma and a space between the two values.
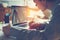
[34, 14]
[5, 4]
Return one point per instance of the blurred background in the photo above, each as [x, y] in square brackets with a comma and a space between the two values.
[25, 17]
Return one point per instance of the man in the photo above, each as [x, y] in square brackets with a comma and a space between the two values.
[43, 5]
[52, 31]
